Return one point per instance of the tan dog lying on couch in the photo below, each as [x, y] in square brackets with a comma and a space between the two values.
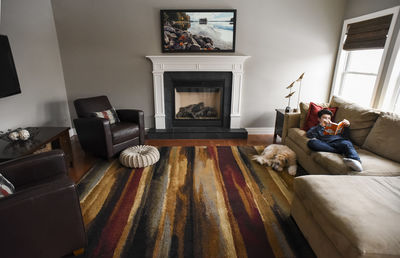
[278, 157]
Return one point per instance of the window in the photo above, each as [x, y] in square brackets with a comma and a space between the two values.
[359, 75]
[362, 52]
[396, 95]
[390, 96]
[397, 104]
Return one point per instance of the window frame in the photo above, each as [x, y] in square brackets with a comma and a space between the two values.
[391, 84]
[342, 56]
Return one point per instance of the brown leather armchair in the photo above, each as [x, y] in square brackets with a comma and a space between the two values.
[96, 135]
[43, 217]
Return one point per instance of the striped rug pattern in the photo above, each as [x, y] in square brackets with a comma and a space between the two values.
[195, 202]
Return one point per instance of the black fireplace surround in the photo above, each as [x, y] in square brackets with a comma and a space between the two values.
[195, 128]
[193, 82]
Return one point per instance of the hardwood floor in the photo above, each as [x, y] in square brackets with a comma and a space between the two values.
[84, 161]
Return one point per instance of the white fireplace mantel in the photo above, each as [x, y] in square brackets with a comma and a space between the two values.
[200, 63]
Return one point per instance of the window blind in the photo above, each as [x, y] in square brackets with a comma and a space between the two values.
[369, 34]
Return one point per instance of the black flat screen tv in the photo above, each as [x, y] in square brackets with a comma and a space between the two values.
[9, 84]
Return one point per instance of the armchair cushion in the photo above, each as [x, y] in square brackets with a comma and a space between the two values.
[6, 188]
[122, 132]
[110, 115]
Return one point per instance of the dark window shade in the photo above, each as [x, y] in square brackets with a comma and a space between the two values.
[367, 34]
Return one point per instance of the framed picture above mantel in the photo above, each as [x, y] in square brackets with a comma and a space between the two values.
[190, 30]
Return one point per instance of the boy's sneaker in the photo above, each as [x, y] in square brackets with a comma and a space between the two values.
[353, 164]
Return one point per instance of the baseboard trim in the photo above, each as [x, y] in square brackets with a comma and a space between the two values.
[260, 130]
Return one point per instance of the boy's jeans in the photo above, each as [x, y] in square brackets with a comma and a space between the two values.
[343, 146]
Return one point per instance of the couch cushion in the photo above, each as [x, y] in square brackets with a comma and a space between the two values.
[361, 118]
[358, 214]
[373, 165]
[384, 137]
[332, 162]
[122, 132]
[299, 137]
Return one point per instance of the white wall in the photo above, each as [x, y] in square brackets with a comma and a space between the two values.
[30, 28]
[356, 8]
[103, 46]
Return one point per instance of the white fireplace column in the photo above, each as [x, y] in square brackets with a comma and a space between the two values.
[200, 63]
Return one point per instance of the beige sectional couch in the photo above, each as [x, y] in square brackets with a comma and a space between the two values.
[349, 216]
[375, 135]
[343, 213]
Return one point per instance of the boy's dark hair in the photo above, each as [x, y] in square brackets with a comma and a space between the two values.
[324, 111]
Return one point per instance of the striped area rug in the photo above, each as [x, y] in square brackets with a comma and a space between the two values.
[195, 202]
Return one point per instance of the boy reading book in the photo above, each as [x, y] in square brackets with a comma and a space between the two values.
[325, 137]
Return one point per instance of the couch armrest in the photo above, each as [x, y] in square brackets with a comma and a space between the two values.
[34, 168]
[94, 135]
[134, 116]
[292, 120]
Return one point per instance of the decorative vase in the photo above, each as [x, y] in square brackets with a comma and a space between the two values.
[14, 136]
[24, 134]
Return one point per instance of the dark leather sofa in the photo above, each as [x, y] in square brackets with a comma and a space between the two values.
[43, 217]
[97, 136]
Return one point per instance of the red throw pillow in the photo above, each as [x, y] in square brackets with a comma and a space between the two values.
[312, 115]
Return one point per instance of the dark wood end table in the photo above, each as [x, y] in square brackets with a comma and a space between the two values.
[279, 119]
[58, 137]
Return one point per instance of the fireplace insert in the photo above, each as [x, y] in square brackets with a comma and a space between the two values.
[197, 99]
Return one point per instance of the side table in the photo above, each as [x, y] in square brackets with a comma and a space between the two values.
[58, 137]
[280, 117]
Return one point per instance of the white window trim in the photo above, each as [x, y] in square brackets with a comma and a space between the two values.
[341, 57]
[391, 84]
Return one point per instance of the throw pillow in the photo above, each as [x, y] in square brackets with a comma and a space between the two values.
[304, 111]
[361, 118]
[109, 114]
[312, 115]
[383, 139]
[6, 188]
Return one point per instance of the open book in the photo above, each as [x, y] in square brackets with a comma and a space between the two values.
[333, 128]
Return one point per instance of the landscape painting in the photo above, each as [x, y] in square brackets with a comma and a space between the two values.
[198, 30]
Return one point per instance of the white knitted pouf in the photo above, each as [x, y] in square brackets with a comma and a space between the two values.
[139, 156]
